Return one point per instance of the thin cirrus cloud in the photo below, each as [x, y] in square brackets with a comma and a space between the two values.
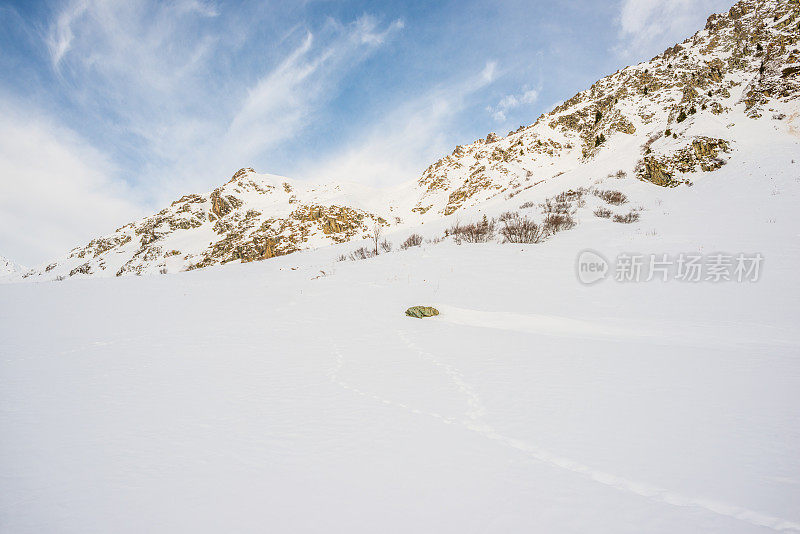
[396, 148]
[649, 26]
[282, 103]
[499, 111]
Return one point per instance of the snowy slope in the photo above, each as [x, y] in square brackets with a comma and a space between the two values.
[270, 397]
[293, 395]
[668, 122]
[10, 269]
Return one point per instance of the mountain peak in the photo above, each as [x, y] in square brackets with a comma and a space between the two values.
[666, 122]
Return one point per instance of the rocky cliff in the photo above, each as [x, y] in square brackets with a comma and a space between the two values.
[667, 121]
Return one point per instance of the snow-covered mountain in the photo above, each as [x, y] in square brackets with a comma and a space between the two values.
[666, 122]
[295, 396]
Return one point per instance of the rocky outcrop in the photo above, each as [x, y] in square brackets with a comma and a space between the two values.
[669, 170]
[747, 59]
[752, 50]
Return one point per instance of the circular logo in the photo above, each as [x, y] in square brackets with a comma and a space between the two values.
[591, 267]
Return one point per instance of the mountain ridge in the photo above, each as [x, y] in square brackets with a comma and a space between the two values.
[667, 121]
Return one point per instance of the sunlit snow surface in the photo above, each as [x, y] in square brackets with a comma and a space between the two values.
[270, 397]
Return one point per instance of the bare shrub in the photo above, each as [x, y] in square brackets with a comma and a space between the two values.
[414, 240]
[621, 174]
[603, 213]
[518, 229]
[556, 222]
[550, 206]
[612, 197]
[343, 257]
[627, 219]
[480, 232]
[570, 196]
[527, 205]
[362, 253]
[508, 216]
[386, 246]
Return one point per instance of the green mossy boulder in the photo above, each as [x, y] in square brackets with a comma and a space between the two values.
[420, 312]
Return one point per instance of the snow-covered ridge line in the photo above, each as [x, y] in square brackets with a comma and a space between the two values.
[666, 121]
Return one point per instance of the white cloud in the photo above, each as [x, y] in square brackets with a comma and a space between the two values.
[405, 141]
[489, 72]
[55, 190]
[60, 36]
[282, 102]
[509, 102]
[647, 27]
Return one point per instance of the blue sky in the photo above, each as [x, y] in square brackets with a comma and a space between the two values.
[111, 109]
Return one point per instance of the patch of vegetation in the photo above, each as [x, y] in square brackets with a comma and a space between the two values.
[414, 240]
[616, 198]
[557, 222]
[480, 232]
[631, 217]
[603, 213]
[517, 229]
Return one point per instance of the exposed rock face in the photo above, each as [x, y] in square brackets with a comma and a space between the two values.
[742, 63]
[747, 57]
[702, 153]
[251, 217]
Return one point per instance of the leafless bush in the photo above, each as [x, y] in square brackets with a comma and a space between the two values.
[386, 246]
[556, 222]
[518, 229]
[527, 205]
[570, 196]
[362, 253]
[627, 219]
[550, 206]
[414, 240]
[612, 197]
[434, 241]
[480, 232]
[508, 216]
[603, 213]
[343, 257]
[621, 174]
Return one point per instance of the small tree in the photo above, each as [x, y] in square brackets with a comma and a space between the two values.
[377, 231]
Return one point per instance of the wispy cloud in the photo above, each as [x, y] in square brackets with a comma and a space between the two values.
[59, 39]
[649, 26]
[509, 102]
[155, 67]
[281, 103]
[405, 141]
